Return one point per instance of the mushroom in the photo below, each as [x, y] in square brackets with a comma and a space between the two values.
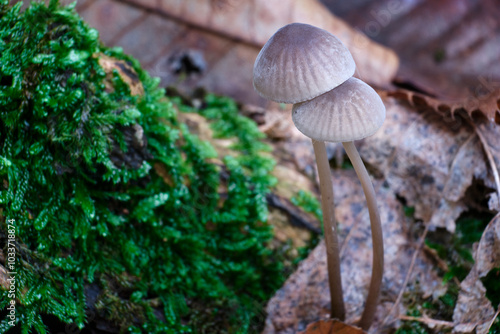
[349, 112]
[299, 63]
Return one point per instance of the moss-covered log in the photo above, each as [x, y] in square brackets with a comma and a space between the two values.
[120, 213]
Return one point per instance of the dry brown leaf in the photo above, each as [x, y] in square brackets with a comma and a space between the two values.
[331, 327]
[485, 160]
[448, 49]
[192, 43]
[473, 309]
[305, 298]
[437, 164]
[431, 161]
[485, 106]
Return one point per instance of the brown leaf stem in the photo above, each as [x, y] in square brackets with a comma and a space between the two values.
[428, 321]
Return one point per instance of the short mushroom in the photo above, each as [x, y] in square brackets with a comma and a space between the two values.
[299, 63]
[349, 112]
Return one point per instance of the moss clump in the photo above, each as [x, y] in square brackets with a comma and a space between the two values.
[151, 237]
[310, 204]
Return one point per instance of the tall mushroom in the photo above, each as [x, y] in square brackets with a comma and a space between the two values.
[349, 112]
[299, 63]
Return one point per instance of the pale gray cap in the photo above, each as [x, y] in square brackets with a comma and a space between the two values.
[300, 62]
[349, 112]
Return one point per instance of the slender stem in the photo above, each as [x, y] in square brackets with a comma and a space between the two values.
[377, 240]
[330, 230]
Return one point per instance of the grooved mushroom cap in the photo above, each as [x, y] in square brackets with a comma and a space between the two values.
[300, 62]
[349, 112]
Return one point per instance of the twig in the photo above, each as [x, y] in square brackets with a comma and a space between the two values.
[440, 262]
[433, 254]
[408, 274]
[297, 217]
[428, 321]
[493, 320]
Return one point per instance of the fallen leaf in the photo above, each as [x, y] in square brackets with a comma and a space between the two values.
[331, 327]
[448, 53]
[448, 49]
[437, 164]
[428, 160]
[473, 309]
[213, 44]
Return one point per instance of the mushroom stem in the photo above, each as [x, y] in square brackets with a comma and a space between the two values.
[330, 230]
[377, 239]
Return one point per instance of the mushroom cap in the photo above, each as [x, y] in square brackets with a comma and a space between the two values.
[349, 112]
[300, 62]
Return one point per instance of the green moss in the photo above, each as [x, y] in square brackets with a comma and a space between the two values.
[346, 164]
[310, 204]
[409, 211]
[164, 250]
[458, 250]
[458, 256]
